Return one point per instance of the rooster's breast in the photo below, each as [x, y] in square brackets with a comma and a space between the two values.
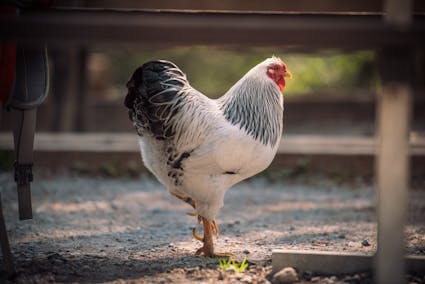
[230, 153]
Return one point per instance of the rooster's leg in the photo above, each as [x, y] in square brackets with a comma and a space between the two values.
[213, 224]
[214, 228]
[208, 248]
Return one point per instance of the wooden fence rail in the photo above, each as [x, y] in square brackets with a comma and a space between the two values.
[93, 26]
[126, 142]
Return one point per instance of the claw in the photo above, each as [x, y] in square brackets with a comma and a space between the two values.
[195, 214]
[188, 200]
[224, 255]
[203, 250]
[214, 228]
[196, 236]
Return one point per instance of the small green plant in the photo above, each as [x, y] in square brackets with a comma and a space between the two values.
[233, 265]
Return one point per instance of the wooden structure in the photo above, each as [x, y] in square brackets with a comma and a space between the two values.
[388, 26]
[82, 26]
[291, 144]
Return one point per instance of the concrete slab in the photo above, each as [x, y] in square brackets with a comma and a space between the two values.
[331, 262]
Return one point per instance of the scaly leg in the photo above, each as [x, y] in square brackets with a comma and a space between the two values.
[208, 248]
[213, 224]
[214, 228]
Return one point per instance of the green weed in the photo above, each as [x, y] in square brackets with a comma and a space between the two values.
[231, 264]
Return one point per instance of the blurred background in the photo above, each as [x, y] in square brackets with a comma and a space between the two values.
[332, 91]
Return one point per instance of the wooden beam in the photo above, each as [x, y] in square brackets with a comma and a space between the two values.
[320, 144]
[127, 142]
[67, 27]
[331, 262]
[392, 168]
[310, 6]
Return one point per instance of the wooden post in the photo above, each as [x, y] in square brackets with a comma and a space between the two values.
[64, 88]
[392, 172]
[398, 13]
[81, 93]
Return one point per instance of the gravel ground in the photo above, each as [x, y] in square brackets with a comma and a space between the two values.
[122, 230]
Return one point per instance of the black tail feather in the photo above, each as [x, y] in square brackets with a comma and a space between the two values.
[150, 100]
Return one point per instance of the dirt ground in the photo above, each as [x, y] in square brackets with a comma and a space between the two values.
[122, 230]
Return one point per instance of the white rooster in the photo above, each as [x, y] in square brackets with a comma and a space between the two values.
[199, 147]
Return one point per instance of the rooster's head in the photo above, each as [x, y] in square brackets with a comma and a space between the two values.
[276, 70]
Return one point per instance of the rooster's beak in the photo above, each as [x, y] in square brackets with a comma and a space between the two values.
[288, 74]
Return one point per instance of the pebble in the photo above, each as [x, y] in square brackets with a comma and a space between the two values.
[231, 269]
[307, 275]
[330, 280]
[365, 243]
[354, 244]
[246, 279]
[352, 278]
[285, 276]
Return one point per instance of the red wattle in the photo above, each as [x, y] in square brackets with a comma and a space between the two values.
[281, 83]
[278, 79]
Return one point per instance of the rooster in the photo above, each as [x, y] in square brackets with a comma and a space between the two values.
[199, 147]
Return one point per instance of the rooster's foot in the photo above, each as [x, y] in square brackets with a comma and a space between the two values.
[195, 214]
[205, 251]
[213, 226]
[196, 236]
